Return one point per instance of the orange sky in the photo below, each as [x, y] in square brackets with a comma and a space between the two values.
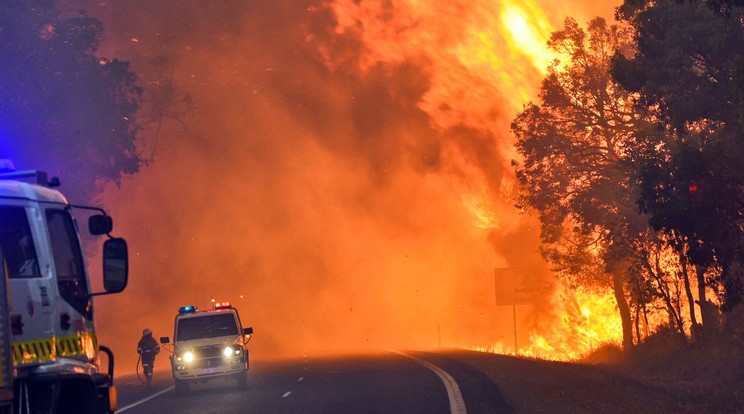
[344, 178]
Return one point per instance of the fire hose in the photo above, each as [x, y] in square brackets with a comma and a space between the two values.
[144, 367]
[136, 368]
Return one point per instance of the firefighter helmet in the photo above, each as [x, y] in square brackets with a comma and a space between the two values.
[147, 332]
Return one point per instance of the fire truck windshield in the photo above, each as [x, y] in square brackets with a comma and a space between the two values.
[68, 261]
[207, 326]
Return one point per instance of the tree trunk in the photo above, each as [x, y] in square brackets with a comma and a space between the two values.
[709, 313]
[694, 328]
[622, 305]
[637, 324]
[675, 319]
[700, 273]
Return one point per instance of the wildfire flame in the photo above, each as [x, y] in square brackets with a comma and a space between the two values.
[324, 229]
[479, 53]
[582, 321]
[485, 60]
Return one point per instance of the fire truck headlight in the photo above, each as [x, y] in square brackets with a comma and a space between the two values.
[188, 356]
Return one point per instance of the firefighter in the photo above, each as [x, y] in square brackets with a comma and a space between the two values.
[148, 348]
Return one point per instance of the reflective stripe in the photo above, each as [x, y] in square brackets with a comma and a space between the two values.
[48, 349]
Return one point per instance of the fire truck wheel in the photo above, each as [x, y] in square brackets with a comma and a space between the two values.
[78, 396]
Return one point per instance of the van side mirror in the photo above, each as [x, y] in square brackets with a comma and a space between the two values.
[164, 340]
[248, 331]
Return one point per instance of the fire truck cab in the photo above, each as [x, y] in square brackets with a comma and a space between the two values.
[50, 304]
[207, 345]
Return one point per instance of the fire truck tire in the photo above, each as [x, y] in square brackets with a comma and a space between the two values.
[182, 387]
[79, 396]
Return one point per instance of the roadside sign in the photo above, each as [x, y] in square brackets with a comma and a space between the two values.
[520, 286]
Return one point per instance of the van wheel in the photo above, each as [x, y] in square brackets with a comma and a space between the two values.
[242, 380]
[182, 387]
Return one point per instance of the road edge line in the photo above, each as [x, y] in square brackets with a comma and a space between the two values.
[144, 400]
[457, 403]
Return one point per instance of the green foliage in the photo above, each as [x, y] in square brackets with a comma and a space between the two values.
[62, 108]
[690, 64]
[687, 56]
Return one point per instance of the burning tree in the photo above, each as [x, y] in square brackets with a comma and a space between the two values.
[578, 168]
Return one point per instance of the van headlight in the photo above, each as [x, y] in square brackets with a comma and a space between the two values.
[184, 357]
[230, 351]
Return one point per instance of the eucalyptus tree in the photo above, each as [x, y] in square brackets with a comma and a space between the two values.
[690, 64]
[577, 167]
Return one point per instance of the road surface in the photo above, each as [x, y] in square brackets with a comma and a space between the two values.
[443, 382]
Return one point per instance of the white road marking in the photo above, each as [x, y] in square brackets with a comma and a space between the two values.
[287, 394]
[300, 379]
[457, 404]
[144, 400]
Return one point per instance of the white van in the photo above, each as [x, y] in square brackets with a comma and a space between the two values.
[207, 345]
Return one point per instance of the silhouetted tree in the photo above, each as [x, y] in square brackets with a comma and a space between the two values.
[690, 64]
[578, 168]
[62, 108]
[163, 101]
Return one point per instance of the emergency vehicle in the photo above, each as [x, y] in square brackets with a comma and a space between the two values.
[49, 326]
[207, 345]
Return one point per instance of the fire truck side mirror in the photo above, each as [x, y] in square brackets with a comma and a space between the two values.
[99, 224]
[164, 340]
[248, 331]
[115, 265]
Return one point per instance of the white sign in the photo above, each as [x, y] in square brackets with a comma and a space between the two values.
[520, 286]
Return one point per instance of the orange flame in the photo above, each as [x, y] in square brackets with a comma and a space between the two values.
[484, 60]
[585, 321]
[479, 53]
[320, 272]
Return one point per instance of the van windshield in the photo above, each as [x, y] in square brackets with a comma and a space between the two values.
[218, 324]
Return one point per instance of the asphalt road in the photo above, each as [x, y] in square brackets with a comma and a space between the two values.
[387, 382]
[442, 382]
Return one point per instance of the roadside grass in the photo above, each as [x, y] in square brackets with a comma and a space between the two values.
[708, 373]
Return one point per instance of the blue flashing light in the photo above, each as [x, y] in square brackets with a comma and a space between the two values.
[6, 166]
[187, 309]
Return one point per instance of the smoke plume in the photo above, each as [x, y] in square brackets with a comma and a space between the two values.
[343, 177]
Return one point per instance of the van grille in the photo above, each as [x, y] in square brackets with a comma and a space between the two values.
[210, 351]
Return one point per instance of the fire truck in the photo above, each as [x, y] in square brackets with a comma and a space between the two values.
[49, 361]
